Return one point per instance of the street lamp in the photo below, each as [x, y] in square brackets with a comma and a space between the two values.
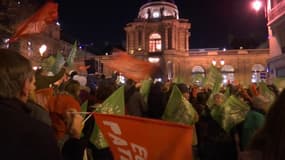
[221, 63]
[42, 49]
[256, 5]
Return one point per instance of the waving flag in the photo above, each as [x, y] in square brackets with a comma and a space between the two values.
[145, 139]
[131, 67]
[213, 80]
[179, 109]
[266, 92]
[115, 104]
[48, 63]
[145, 89]
[37, 22]
[234, 111]
[72, 54]
[279, 83]
[58, 64]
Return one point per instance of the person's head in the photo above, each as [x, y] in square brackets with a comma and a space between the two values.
[261, 102]
[270, 140]
[202, 97]
[17, 75]
[184, 90]
[72, 87]
[218, 98]
[104, 90]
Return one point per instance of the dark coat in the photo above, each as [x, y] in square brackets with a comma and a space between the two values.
[45, 81]
[135, 104]
[23, 137]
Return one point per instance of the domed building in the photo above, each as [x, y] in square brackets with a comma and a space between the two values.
[159, 35]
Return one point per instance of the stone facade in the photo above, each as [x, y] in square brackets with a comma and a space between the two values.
[158, 25]
[275, 12]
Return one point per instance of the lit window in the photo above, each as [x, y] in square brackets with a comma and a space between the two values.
[228, 74]
[153, 59]
[155, 43]
[156, 14]
[258, 73]
[198, 75]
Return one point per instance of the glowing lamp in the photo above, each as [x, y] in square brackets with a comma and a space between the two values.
[256, 5]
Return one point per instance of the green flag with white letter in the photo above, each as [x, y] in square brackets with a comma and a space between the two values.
[114, 104]
[179, 109]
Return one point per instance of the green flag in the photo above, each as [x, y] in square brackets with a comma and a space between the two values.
[72, 54]
[227, 92]
[234, 112]
[48, 63]
[266, 92]
[58, 63]
[178, 79]
[84, 106]
[213, 80]
[179, 109]
[145, 88]
[279, 83]
[114, 104]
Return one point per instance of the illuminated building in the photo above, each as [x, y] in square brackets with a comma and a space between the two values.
[160, 36]
[275, 11]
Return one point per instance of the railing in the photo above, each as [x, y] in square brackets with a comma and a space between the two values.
[230, 52]
[276, 12]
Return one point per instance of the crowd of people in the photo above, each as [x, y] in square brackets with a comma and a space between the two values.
[41, 116]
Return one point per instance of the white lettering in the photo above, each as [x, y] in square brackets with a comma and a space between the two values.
[114, 127]
[118, 140]
[142, 152]
[125, 152]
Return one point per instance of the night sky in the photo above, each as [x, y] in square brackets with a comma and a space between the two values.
[214, 22]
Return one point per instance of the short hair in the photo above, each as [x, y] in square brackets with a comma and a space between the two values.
[15, 70]
[72, 87]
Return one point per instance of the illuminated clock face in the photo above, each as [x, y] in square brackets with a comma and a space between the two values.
[156, 14]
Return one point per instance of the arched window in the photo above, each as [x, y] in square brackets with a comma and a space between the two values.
[258, 73]
[155, 42]
[228, 74]
[198, 74]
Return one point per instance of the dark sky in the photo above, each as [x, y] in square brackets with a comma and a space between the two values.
[213, 22]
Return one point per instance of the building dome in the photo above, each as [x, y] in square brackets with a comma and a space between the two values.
[158, 9]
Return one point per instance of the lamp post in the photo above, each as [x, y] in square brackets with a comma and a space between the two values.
[42, 49]
[220, 64]
[256, 5]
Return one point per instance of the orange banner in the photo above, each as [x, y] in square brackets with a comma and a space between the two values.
[131, 67]
[38, 21]
[135, 138]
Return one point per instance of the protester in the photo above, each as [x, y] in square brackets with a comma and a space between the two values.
[45, 81]
[134, 101]
[104, 90]
[215, 142]
[269, 142]
[155, 101]
[60, 106]
[22, 136]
